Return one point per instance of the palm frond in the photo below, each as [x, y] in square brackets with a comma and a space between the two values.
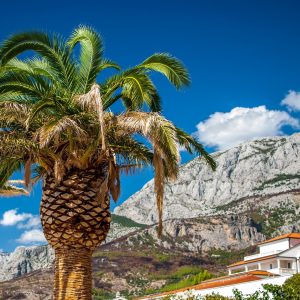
[7, 167]
[91, 51]
[92, 102]
[159, 180]
[55, 129]
[193, 146]
[13, 114]
[159, 131]
[17, 145]
[24, 83]
[169, 66]
[12, 191]
[51, 47]
[107, 63]
[136, 87]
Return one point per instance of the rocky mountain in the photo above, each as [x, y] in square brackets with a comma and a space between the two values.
[27, 259]
[196, 236]
[265, 172]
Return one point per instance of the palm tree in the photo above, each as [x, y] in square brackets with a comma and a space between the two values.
[57, 122]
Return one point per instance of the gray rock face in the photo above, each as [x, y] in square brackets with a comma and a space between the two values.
[260, 168]
[200, 235]
[24, 260]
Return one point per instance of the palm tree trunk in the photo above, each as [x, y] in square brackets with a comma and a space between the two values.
[73, 274]
[76, 219]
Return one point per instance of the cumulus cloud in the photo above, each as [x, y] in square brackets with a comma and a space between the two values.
[22, 220]
[224, 130]
[32, 236]
[32, 222]
[11, 217]
[292, 100]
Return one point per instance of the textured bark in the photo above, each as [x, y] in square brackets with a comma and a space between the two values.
[73, 274]
[76, 219]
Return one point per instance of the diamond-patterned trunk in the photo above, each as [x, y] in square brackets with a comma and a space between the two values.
[76, 219]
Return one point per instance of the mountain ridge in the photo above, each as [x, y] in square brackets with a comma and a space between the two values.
[264, 167]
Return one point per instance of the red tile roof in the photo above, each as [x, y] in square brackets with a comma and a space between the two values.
[294, 235]
[244, 262]
[217, 282]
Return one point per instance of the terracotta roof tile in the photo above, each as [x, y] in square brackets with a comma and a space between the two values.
[293, 235]
[218, 282]
[244, 262]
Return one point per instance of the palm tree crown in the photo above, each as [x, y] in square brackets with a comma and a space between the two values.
[54, 115]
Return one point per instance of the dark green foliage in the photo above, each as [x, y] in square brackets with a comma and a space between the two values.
[293, 283]
[126, 222]
[99, 294]
[278, 180]
[224, 257]
[184, 277]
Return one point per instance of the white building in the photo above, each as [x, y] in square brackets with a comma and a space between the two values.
[279, 255]
[276, 261]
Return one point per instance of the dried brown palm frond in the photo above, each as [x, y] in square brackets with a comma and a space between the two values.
[162, 135]
[10, 190]
[92, 102]
[159, 179]
[27, 173]
[160, 132]
[114, 180]
[53, 130]
[12, 112]
[15, 144]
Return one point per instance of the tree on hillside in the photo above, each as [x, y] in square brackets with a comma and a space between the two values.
[57, 122]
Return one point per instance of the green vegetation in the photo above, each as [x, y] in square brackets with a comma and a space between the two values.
[293, 283]
[188, 281]
[99, 294]
[278, 180]
[184, 277]
[126, 222]
[223, 257]
[178, 274]
[269, 220]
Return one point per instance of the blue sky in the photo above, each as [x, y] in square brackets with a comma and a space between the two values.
[242, 56]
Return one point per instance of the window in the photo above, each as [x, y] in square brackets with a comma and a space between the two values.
[289, 265]
[271, 266]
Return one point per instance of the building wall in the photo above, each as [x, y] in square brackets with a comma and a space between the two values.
[294, 242]
[266, 266]
[273, 246]
[293, 252]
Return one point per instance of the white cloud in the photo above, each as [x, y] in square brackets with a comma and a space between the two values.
[32, 222]
[32, 236]
[292, 100]
[224, 130]
[11, 217]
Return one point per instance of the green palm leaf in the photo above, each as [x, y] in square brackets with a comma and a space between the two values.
[169, 66]
[91, 51]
